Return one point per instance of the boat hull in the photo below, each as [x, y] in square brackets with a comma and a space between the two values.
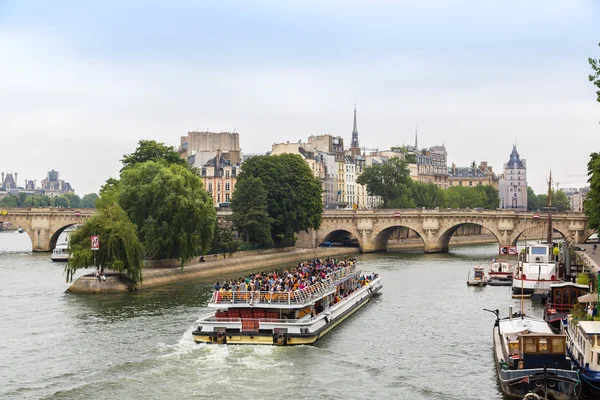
[289, 339]
[554, 384]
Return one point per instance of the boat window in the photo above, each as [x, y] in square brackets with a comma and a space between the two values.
[538, 250]
[530, 346]
[557, 345]
[598, 358]
[543, 346]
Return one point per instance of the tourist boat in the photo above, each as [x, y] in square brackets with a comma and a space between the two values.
[478, 279]
[501, 271]
[537, 272]
[531, 358]
[60, 252]
[290, 318]
[562, 297]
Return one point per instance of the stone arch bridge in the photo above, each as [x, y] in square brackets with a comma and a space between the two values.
[373, 228]
[44, 225]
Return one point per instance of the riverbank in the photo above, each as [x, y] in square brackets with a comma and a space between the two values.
[166, 272]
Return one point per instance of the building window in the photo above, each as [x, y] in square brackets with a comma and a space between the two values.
[227, 173]
[218, 197]
[218, 186]
[227, 197]
[470, 183]
[210, 186]
[227, 186]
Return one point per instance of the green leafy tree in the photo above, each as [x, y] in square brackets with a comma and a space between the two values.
[44, 200]
[560, 200]
[294, 198]
[390, 181]
[466, 197]
[491, 199]
[74, 200]
[595, 76]
[532, 203]
[174, 216]
[542, 200]
[592, 202]
[150, 150]
[62, 201]
[89, 200]
[224, 241]
[250, 215]
[9, 201]
[29, 201]
[22, 196]
[425, 195]
[120, 248]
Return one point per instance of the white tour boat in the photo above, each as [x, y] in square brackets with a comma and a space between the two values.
[283, 318]
[478, 278]
[501, 271]
[60, 252]
[530, 358]
[537, 272]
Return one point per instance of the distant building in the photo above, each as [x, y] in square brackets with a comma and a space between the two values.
[8, 181]
[207, 144]
[473, 175]
[512, 187]
[219, 177]
[576, 198]
[53, 186]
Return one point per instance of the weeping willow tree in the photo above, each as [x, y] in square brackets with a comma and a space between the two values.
[120, 248]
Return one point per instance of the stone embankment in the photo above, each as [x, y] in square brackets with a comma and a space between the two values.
[164, 272]
[168, 271]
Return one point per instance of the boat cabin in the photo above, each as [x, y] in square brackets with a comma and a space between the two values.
[563, 296]
[537, 350]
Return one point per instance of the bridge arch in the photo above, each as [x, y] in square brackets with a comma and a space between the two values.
[443, 242]
[381, 238]
[54, 237]
[538, 232]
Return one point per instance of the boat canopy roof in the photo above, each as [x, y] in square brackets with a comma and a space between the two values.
[568, 284]
[590, 327]
[528, 324]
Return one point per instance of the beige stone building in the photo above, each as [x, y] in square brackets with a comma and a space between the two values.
[473, 175]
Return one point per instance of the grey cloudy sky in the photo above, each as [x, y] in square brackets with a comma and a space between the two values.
[82, 82]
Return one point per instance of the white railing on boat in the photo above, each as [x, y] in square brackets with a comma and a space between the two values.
[296, 297]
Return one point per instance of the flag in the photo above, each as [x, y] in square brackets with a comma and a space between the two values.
[526, 380]
[494, 260]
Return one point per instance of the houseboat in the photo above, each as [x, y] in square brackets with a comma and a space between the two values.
[531, 358]
[583, 345]
[478, 278]
[561, 299]
[536, 272]
[285, 318]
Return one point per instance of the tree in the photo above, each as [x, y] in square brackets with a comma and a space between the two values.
[74, 200]
[294, 198]
[466, 197]
[9, 201]
[62, 201]
[560, 201]
[390, 181]
[250, 215]
[595, 76]
[223, 241]
[150, 150]
[591, 205]
[120, 248]
[425, 195]
[491, 199]
[29, 201]
[175, 217]
[89, 200]
[532, 203]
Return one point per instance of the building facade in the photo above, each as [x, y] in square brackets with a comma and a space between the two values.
[219, 177]
[513, 185]
[473, 175]
[53, 186]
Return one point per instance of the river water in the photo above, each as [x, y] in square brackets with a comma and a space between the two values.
[425, 337]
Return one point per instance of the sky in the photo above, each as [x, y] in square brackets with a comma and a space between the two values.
[82, 82]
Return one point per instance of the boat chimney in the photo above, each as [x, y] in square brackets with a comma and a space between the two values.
[510, 312]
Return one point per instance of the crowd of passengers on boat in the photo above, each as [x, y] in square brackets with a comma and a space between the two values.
[305, 274]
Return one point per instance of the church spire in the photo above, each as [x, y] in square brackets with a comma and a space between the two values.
[354, 131]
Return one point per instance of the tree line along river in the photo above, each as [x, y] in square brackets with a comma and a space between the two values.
[426, 337]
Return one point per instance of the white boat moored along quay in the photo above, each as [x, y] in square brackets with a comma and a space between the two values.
[292, 317]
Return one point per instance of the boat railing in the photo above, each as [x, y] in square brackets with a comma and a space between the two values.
[342, 273]
[553, 308]
[297, 297]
